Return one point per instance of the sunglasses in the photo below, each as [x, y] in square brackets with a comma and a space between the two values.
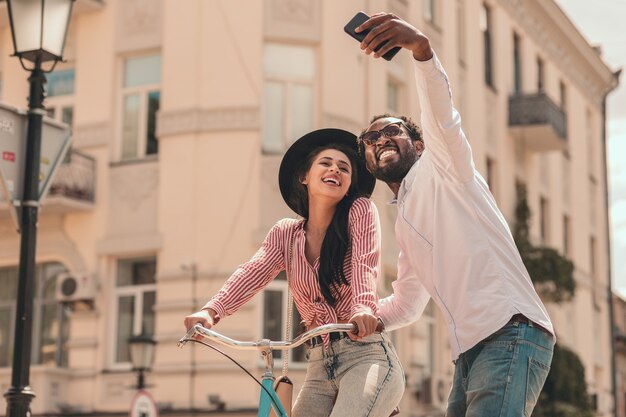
[389, 131]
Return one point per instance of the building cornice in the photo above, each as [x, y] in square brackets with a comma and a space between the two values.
[563, 43]
[190, 121]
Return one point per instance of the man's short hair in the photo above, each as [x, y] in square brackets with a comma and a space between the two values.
[415, 132]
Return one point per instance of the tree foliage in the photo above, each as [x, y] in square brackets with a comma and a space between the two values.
[552, 273]
[565, 391]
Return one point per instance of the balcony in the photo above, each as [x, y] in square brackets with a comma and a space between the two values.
[538, 122]
[73, 185]
[72, 188]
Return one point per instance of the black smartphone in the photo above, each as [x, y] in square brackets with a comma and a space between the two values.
[355, 22]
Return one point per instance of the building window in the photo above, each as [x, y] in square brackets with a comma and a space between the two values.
[567, 236]
[394, 94]
[429, 320]
[486, 28]
[517, 64]
[430, 10]
[491, 175]
[460, 17]
[140, 101]
[544, 225]
[135, 299]
[60, 95]
[591, 148]
[50, 324]
[563, 96]
[275, 317]
[288, 102]
[540, 75]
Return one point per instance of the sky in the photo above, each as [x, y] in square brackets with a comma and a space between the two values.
[602, 23]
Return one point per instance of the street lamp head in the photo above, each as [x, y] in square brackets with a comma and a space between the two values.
[142, 351]
[39, 28]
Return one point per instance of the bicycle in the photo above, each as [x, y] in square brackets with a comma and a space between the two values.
[267, 396]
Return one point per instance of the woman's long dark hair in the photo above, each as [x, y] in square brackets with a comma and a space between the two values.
[337, 240]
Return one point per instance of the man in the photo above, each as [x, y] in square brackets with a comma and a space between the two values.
[455, 245]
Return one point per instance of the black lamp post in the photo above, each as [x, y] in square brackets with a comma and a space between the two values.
[39, 28]
[141, 356]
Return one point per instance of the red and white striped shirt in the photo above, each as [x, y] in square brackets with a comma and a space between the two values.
[361, 269]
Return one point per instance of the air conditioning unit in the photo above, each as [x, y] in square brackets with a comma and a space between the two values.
[75, 287]
[432, 391]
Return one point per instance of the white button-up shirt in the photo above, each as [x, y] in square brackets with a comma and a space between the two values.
[455, 245]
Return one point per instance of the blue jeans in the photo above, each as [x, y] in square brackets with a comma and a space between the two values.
[352, 379]
[502, 375]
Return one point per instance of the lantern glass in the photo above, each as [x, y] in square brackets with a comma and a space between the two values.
[141, 351]
[39, 28]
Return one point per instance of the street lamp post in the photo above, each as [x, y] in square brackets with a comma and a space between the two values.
[141, 356]
[38, 28]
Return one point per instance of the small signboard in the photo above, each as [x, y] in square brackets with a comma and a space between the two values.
[55, 141]
[143, 405]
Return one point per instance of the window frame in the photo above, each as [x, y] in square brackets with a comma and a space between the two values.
[137, 292]
[518, 76]
[279, 285]
[143, 91]
[488, 47]
[289, 84]
[39, 302]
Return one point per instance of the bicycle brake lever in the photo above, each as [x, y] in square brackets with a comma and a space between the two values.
[187, 337]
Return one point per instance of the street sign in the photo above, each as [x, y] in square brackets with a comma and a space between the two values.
[55, 141]
[143, 405]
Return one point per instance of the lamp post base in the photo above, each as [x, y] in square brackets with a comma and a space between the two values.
[18, 401]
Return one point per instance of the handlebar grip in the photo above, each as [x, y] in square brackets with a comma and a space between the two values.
[380, 327]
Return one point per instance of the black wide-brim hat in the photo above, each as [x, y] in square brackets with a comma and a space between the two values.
[300, 149]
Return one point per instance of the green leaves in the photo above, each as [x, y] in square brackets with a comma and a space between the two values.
[552, 273]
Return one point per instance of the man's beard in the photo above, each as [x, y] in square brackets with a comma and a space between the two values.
[395, 173]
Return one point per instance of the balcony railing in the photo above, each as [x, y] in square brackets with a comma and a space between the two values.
[74, 180]
[538, 121]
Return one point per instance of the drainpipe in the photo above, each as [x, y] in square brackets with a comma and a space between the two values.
[614, 85]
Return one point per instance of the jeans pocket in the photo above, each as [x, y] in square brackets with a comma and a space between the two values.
[537, 374]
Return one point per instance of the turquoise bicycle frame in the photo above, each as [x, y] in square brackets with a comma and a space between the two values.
[265, 399]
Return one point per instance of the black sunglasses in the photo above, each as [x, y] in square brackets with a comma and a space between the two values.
[389, 131]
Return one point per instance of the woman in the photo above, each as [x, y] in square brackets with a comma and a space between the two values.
[332, 259]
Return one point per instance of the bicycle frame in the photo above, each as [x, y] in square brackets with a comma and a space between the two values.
[267, 398]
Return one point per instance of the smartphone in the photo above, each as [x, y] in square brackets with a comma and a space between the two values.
[355, 22]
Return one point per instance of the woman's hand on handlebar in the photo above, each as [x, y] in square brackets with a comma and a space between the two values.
[206, 318]
[365, 323]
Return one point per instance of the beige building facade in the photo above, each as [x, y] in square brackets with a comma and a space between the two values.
[180, 114]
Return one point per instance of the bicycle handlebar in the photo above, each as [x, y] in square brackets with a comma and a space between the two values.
[262, 344]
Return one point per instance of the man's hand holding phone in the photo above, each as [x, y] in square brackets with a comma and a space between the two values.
[386, 31]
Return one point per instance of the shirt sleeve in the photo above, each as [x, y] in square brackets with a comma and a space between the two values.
[252, 276]
[408, 301]
[445, 141]
[365, 259]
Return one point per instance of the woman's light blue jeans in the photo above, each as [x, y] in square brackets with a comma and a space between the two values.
[352, 379]
[502, 375]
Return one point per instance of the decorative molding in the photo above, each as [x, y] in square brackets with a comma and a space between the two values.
[341, 122]
[91, 135]
[119, 245]
[52, 245]
[82, 343]
[292, 19]
[518, 9]
[140, 25]
[134, 184]
[299, 11]
[190, 121]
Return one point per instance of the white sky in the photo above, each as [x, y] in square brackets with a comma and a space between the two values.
[602, 23]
